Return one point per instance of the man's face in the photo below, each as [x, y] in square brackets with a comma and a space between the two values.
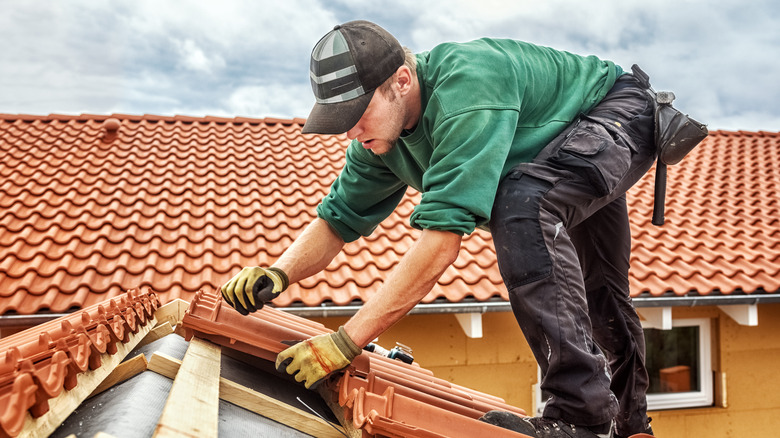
[381, 123]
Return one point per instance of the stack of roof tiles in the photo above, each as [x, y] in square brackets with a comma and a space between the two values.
[91, 205]
[383, 397]
[379, 396]
[39, 363]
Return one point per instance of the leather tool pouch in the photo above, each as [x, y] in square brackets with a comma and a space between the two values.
[676, 134]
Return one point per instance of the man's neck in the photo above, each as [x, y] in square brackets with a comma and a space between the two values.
[413, 103]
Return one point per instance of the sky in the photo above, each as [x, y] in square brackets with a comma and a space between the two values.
[232, 58]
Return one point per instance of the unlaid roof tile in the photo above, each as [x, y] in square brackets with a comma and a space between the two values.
[383, 397]
[37, 364]
[180, 204]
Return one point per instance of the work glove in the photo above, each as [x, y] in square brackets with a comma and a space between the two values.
[312, 360]
[253, 287]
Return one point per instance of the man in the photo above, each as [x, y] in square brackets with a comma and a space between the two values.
[537, 144]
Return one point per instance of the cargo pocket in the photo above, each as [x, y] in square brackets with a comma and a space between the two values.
[593, 153]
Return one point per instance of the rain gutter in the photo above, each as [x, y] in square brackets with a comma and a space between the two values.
[328, 310]
[496, 305]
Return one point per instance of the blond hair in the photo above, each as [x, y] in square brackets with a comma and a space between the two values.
[410, 60]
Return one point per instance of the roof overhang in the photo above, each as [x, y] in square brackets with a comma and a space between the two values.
[467, 306]
[498, 305]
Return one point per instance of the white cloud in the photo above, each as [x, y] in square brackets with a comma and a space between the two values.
[194, 58]
[251, 57]
[716, 56]
[745, 121]
[275, 100]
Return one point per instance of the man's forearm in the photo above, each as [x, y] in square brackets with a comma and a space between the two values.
[410, 281]
[311, 252]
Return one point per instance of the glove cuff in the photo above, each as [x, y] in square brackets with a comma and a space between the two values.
[345, 344]
[282, 276]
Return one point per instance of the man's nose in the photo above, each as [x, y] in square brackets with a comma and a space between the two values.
[354, 132]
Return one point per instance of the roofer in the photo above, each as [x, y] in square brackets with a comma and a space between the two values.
[538, 145]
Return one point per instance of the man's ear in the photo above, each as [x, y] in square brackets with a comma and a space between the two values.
[404, 80]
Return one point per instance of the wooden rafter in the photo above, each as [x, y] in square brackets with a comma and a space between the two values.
[192, 407]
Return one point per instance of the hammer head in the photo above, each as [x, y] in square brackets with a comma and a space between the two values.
[665, 97]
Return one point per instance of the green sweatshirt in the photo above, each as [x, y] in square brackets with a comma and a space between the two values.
[487, 105]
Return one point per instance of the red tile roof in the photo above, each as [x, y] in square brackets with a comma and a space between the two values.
[722, 230]
[91, 205]
[382, 396]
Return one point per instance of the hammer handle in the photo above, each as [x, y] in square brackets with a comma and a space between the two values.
[659, 197]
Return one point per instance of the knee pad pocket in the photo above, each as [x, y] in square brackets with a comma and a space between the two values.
[517, 234]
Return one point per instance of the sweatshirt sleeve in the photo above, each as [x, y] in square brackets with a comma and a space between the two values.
[460, 185]
[362, 196]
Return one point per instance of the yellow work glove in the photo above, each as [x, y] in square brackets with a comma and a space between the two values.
[253, 287]
[312, 360]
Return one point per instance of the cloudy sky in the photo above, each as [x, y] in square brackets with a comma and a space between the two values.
[250, 58]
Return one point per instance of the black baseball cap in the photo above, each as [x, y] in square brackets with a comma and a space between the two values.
[347, 66]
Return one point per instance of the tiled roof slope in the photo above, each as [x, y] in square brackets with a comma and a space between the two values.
[381, 396]
[722, 229]
[93, 204]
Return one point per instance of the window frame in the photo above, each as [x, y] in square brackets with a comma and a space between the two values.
[704, 397]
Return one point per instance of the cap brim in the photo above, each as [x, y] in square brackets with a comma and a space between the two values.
[336, 118]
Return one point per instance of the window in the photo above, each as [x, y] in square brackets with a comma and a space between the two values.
[679, 364]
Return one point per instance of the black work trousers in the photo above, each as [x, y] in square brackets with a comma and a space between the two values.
[561, 232]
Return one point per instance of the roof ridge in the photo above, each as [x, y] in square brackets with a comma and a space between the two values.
[46, 359]
[152, 117]
[255, 120]
[759, 133]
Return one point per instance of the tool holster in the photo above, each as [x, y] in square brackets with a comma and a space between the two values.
[676, 134]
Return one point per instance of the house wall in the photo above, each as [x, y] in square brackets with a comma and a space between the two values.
[500, 363]
[749, 358]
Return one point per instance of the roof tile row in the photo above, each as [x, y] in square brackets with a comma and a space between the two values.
[92, 204]
[38, 363]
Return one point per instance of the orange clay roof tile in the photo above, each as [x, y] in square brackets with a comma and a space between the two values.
[93, 204]
[38, 363]
[722, 233]
[383, 397]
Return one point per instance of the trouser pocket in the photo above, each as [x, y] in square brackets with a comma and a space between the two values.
[594, 154]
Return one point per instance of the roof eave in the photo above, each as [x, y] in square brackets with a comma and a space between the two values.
[496, 305]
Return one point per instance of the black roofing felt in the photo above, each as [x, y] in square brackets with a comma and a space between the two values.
[132, 408]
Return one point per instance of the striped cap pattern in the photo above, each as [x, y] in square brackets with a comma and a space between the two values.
[334, 76]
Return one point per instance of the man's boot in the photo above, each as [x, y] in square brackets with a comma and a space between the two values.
[541, 427]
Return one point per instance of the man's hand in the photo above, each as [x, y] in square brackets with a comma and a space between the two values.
[315, 358]
[253, 287]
